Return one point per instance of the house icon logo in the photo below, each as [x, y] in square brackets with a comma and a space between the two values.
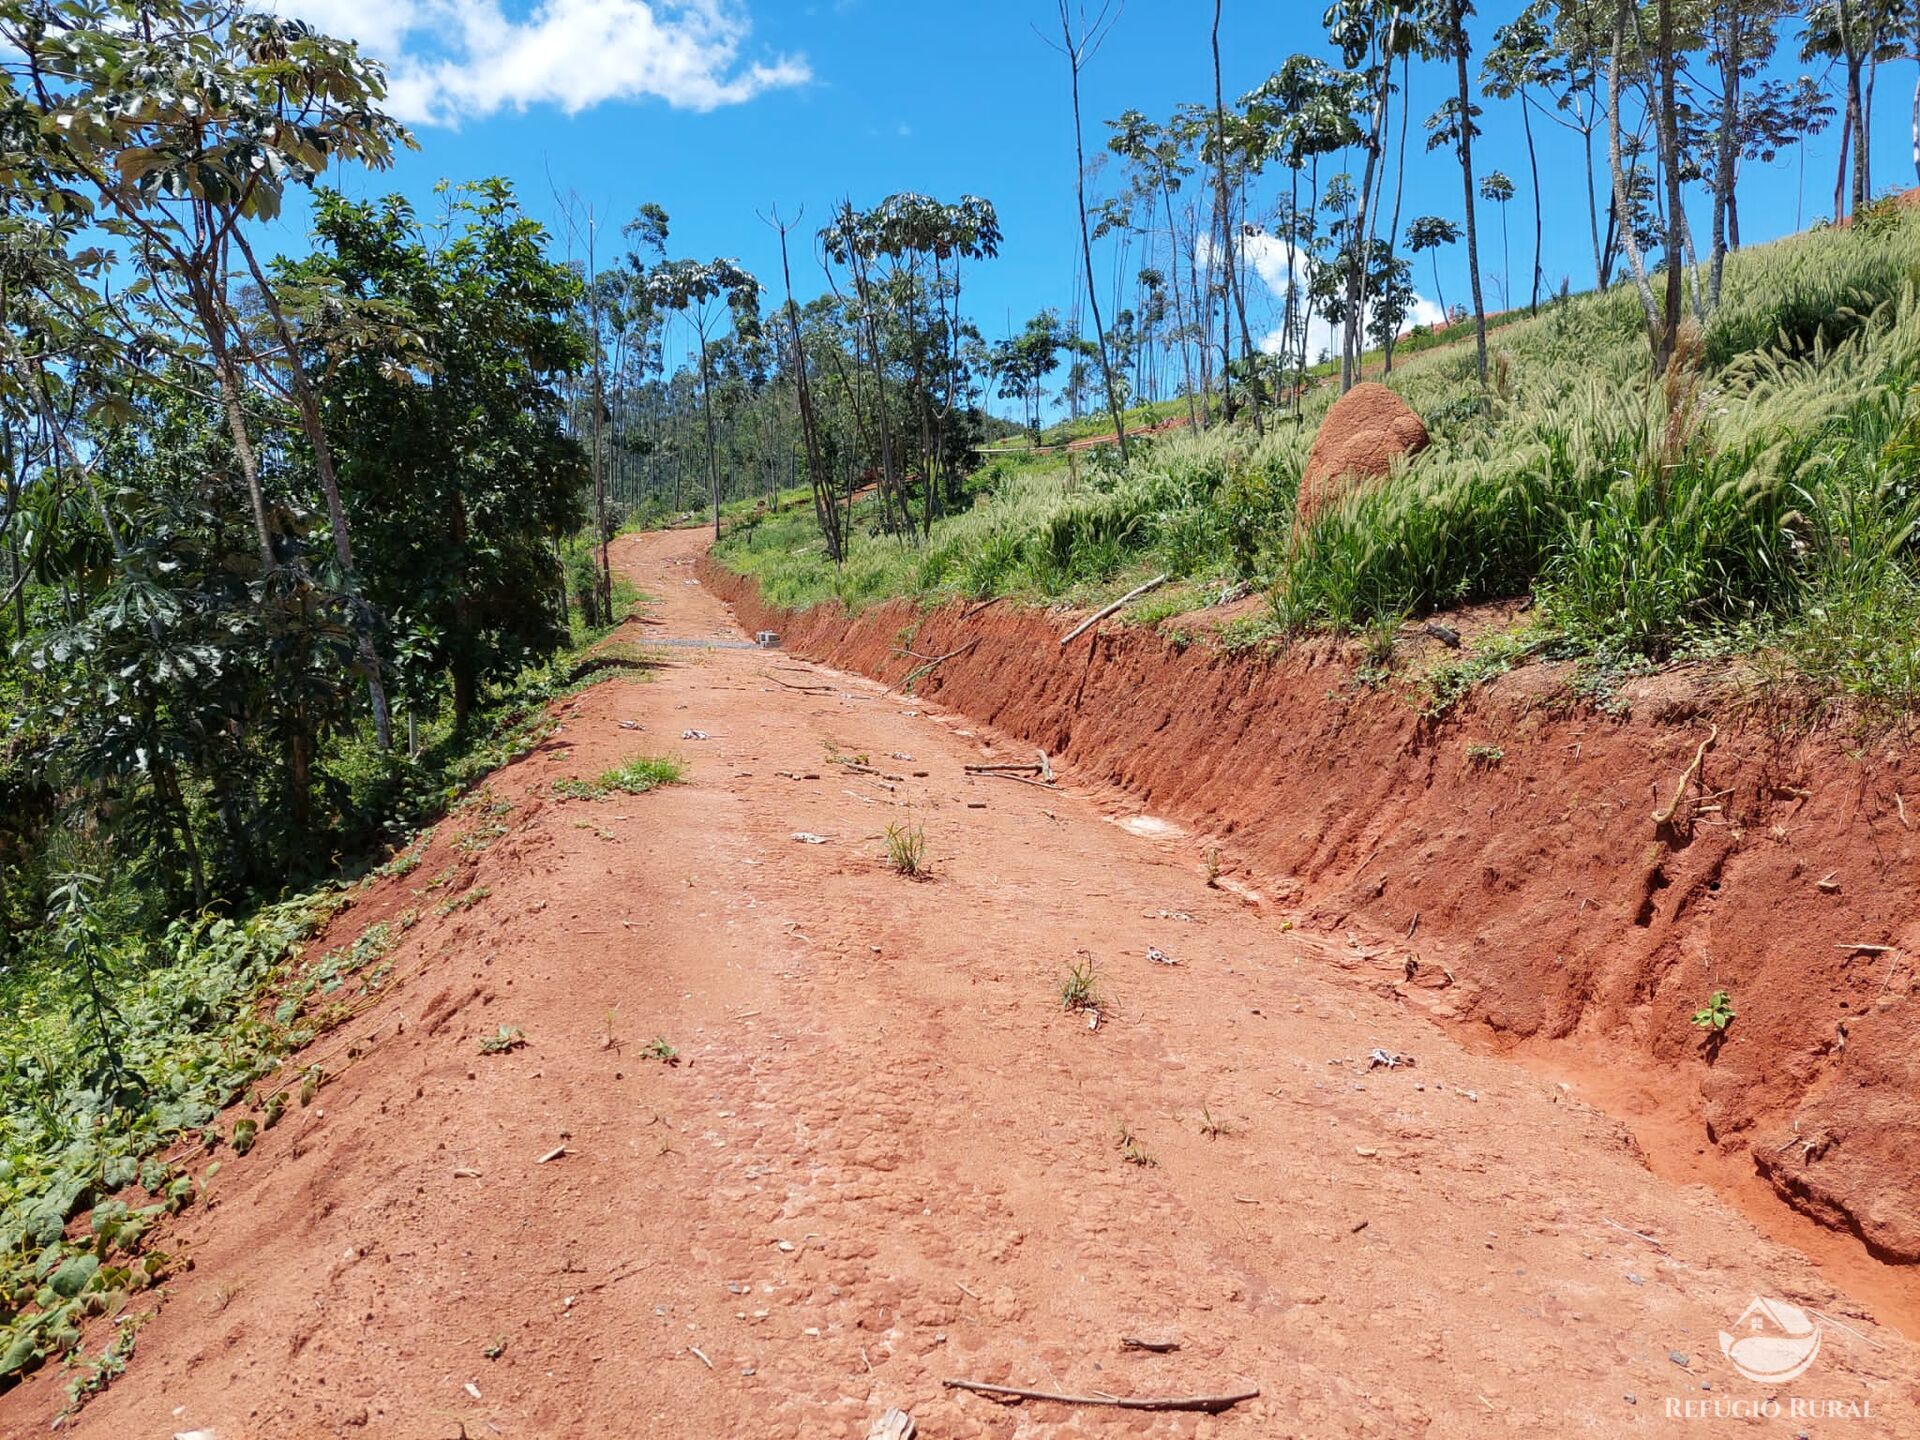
[1772, 1342]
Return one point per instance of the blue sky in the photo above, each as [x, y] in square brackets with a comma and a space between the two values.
[717, 109]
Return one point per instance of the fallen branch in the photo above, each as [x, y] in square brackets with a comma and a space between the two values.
[1208, 1404]
[1636, 1234]
[920, 672]
[1011, 768]
[1154, 1347]
[1663, 817]
[974, 610]
[1125, 600]
[1017, 779]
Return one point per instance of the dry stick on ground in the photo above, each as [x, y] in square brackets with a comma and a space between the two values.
[974, 610]
[1017, 779]
[1210, 1404]
[1156, 1347]
[1125, 600]
[1637, 1234]
[1662, 817]
[1010, 768]
[920, 672]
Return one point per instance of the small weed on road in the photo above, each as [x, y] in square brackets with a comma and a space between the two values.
[1131, 1151]
[907, 850]
[1080, 990]
[503, 1041]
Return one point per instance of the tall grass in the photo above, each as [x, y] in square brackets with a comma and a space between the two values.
[1766, 496]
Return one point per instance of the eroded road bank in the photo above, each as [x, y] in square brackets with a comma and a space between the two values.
[885, 1156]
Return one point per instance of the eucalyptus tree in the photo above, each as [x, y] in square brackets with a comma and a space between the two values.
[906, 257]
[1428, 234]
[833, 518]
[1455, 124]
[1858, 35]
[1304, 112]
[1559, 48]
[1370, 35]
[1225, 151]
[1496, 188]
[1515, 65]
[703, 293]
[1156, 168]
[915, 233]
[1021, 362]
[1080, 41]
[1753, 114]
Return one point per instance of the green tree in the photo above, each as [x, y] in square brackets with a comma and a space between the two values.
[463, 469]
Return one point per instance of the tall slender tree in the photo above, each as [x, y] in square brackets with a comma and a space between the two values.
[1080, 41]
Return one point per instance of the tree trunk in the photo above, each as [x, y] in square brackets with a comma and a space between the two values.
[1669, 158]
[1623, 208]
[227, 378]
[713, 455]
[1916, 95]
[1601, 267]
[819, 479]
[1840, 176]
[307, 403]
[1351, 346]
[1466, 176]
[1856, 126]
[1399, 191]
[1074, 57]
[1226, 228]
[1728, 149]
[1539, 224]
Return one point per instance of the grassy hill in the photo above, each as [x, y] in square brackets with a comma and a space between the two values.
[1760, 499]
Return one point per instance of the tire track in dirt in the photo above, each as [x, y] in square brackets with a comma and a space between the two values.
[886, 1156]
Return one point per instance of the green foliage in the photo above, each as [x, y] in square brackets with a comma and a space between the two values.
[186, 1033]
[636, 777]
[907, 850]
[503, 1041]
[1716, 1015]
[1080, 988]
[460, 486]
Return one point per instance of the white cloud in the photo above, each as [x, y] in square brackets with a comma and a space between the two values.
[453, 60]
[1274, 261]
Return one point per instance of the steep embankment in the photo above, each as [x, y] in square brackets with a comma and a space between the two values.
[1514, 845]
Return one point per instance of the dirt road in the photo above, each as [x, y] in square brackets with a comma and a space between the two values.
[887, 1157]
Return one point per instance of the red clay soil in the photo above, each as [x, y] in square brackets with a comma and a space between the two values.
[888, 1158]
[1512, 850]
